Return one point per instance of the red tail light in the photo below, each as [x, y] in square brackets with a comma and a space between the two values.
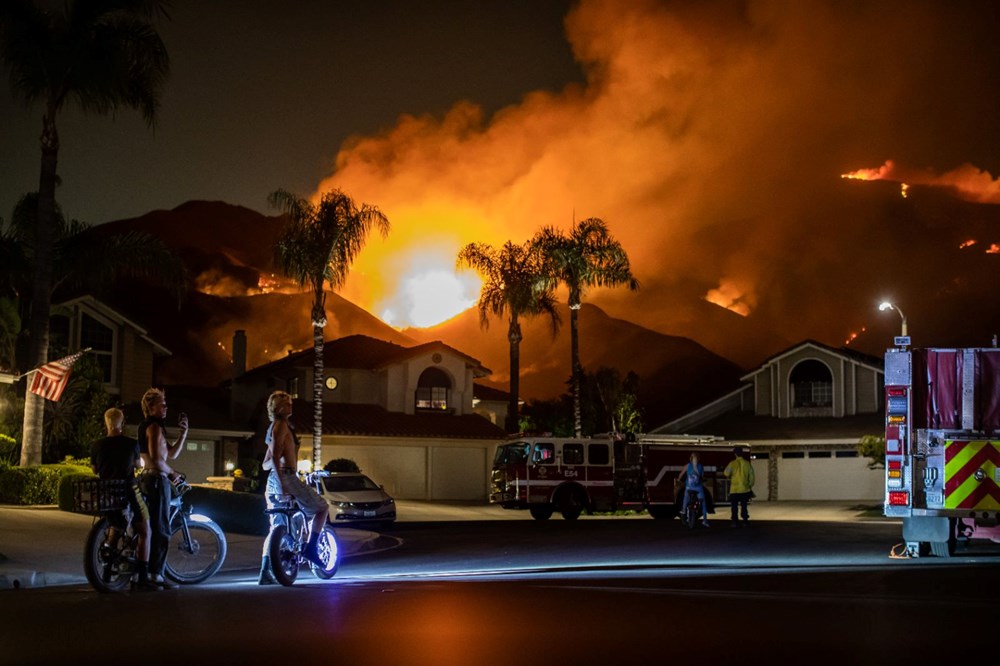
[899, 498]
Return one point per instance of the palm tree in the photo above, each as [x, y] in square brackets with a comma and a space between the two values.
[317, 247]
[513, 285]
[104, 55]
[588, 256]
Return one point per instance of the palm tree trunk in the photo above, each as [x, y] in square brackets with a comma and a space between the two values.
[41, 294]
[318, 379]
[574, 344]
[514, 337]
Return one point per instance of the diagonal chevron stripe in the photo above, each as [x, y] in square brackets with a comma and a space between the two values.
[974, 455]
[985, 496]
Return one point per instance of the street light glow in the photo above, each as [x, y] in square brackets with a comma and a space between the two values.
[886, 305]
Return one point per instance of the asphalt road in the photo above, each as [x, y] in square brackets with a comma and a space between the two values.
[520, 592]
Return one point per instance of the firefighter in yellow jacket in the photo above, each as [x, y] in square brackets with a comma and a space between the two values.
[741, 479]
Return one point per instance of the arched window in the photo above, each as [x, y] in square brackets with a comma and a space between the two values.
[812, 385]
[432, 390]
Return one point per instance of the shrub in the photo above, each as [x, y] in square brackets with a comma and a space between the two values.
[34, 485]
[342, 465]
[65, 498]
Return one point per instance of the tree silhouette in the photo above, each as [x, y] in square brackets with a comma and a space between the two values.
[317, 247]
[514, 286]
[587, 256]
[103, 55]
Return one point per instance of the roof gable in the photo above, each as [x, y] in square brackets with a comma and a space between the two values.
[361, 352]
[849, 355]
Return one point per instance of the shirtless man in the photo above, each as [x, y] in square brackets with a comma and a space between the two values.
[157, 479]
[281, 457]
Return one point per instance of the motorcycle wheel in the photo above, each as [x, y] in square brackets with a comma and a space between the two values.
[329, 553]
[195, 555]
[110, 570]
[690, 514]
[284, 556]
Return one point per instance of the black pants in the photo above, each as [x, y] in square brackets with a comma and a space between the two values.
[158, 490]
[740, 500]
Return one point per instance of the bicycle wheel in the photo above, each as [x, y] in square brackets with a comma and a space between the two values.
[284, 556]
[196, 551]
[107, 568]
[329, 554]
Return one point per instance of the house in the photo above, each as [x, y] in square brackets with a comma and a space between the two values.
[127, 354]
[802, 413]
[409, 416]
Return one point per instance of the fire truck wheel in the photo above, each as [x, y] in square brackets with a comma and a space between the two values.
[570, 503]
[540, 511]
[663, 512]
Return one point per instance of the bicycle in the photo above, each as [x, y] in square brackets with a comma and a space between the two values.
[196, 551]
[288, 538]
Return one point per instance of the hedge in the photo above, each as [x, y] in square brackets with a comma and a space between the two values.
[38, 484]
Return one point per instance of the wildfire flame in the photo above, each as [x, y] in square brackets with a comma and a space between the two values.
[732, 297]
[993, 249]
[969, 182]
[968, 243]
[854, 335]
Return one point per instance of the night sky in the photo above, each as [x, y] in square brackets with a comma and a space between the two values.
[711, 136]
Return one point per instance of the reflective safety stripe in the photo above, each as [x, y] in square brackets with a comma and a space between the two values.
[965, 460]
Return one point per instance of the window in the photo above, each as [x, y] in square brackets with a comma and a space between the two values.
[793, 454]
[545, 454]
[819, 454]
[812, 385]
[573, 454]
[846, 454]
[292, 387]
[432, 390]
[598, 454]
[101, 339]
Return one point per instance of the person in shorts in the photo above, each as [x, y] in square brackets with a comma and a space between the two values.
[281, 459]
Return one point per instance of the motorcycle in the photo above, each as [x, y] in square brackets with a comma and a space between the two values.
[197, 547]
[288, 538]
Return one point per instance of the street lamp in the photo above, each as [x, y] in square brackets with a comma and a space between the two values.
[886, 305]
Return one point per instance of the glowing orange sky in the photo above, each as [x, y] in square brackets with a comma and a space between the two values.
[675, 141]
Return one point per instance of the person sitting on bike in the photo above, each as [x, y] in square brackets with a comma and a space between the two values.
[281, 447]
[158, 476]
[116, 457]
[693, 476]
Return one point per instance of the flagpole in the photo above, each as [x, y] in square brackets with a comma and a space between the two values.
[31, 372]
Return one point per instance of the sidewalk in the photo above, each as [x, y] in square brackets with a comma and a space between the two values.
[41, 545]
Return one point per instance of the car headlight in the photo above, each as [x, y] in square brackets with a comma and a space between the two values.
[388, 502]
[341, 505]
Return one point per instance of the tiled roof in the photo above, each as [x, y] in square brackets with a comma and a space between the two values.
[374, 421]
[484, 392]
[360, 352]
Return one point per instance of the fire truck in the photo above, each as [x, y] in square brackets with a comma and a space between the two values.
[942, 445]
[600, 474]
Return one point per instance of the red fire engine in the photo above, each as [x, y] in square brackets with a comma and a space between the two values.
[572, 476]
[942, 445]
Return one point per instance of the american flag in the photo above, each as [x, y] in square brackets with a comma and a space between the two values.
[50, 380]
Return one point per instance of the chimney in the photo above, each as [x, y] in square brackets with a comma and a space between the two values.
[239, 353]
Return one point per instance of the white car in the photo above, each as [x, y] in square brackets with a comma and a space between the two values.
[355, 498]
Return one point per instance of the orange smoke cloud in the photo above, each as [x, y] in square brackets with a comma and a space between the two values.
[673, 140]
[969, 183]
